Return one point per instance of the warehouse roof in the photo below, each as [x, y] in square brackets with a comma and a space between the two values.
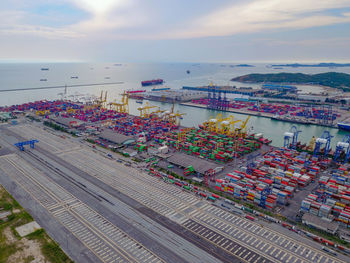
[115, 137]
[66, 121]
[184, 160]
[318, 222]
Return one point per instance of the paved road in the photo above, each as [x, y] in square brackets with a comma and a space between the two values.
[171, 208]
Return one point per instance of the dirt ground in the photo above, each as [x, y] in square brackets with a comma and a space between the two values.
[27, 250]
[23, 250]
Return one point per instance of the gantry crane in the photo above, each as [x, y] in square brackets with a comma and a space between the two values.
[178, 118]
[102, 100]
[144, 110]
[292, 134]
[213, 123]
[325, 140]
[158, 114]
[169, 115]
[343, 147]
[227, 126]
[123, 106]
[242, 131]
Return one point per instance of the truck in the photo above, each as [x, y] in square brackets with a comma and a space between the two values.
[250, 217]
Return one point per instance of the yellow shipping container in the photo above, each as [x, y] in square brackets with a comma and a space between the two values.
[340, 204]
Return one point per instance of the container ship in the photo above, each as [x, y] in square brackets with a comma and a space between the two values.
[344, 126]
[152, 82]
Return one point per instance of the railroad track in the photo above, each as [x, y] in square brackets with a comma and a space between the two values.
[105, 240]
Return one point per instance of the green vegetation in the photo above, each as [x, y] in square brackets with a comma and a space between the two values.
[55, 126]
[329, 79]
[58, 128]
[49, 248]
[33, 118]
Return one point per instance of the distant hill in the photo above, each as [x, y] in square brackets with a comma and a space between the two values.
[330, 79]
[242, 66]
[319, 65]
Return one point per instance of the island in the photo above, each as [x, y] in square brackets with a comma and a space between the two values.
[329, 79]
[242, 66]
[319, 65]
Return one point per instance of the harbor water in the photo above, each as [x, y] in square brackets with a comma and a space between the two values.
[26, 76]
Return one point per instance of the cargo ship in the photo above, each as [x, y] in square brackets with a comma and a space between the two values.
[152, 82]
[136, 91]
[344, 126]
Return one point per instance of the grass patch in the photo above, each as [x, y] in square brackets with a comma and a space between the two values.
[50, 249]
[54, 253]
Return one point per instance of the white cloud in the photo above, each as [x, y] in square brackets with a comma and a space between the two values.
[99, 7]
[259, 15]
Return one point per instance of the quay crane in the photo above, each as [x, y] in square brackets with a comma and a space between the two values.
[325, 140]
[101, 101]
[343, 147]
[144, 110]
[123, 106]
[178, 117]
[158, 114]
[292, 134]
[242, 131]
[228, 126]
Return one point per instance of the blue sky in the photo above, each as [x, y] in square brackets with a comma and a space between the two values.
[175, 31]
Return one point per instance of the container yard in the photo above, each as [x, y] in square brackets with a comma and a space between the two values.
[272, 179]
[304, 114]
[331, 200]
[104, 165]
[218, 147]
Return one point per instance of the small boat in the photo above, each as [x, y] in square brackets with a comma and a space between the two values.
[44, 68]
[107, 77]
[139, 101]
[188, 72]
[74, 77]
[43, 79]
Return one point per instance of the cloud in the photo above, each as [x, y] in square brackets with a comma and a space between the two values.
[135, 19]
[260, 15]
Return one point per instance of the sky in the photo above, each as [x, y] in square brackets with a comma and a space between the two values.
[175, 30]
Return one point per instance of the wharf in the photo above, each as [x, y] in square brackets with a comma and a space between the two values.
[269, 115]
